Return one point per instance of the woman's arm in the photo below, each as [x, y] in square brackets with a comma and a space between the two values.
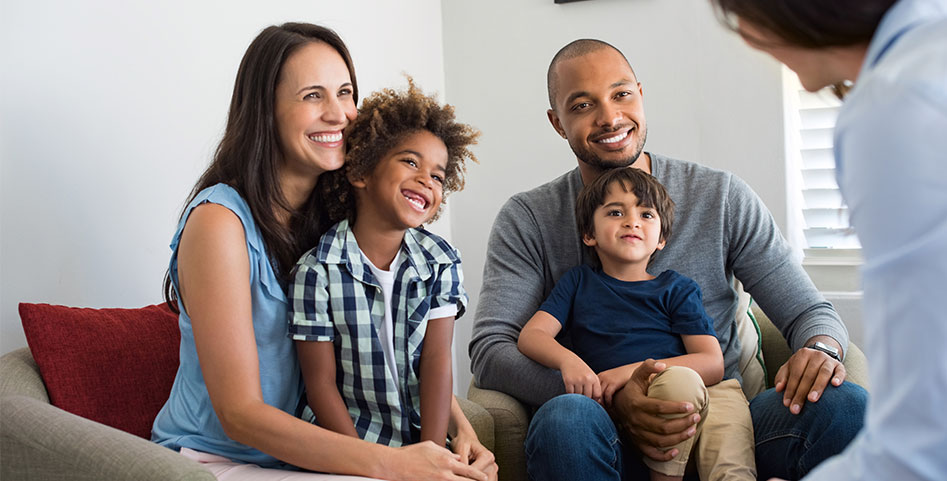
[213, 274]
[436, 380]
[317, 362]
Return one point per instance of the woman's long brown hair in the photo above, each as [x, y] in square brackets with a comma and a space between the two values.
[249, 154]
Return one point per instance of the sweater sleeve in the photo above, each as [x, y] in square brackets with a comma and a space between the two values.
[763, 261]
[514, 286]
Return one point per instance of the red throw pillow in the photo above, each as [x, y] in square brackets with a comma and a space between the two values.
[113, 366]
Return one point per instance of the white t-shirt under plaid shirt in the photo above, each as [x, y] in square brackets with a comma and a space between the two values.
[336, 297]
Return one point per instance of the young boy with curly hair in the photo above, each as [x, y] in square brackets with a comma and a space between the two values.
[617, 315]
[373, 304]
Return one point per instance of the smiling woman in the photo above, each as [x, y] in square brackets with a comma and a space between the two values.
[251, 215]
[310, 116]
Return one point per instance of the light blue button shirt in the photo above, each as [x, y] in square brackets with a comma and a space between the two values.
[891, 151]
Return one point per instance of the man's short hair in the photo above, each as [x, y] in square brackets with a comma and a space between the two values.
[647, 189]
[576, 48]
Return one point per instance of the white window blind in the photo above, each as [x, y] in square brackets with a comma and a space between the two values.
[814, 195]
[818, 221]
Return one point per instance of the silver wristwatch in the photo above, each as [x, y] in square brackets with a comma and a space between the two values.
[831, 351]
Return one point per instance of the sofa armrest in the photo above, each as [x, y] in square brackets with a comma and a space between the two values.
[19, 375]
[510, 422]
[481, 421]
[856, 366]
[776, 352]
[42, 442]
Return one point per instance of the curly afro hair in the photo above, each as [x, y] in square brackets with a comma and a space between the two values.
[384, 120]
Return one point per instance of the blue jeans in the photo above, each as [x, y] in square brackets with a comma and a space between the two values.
[788, 445]
[572, 437]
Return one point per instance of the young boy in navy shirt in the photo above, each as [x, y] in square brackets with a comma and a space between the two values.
[617, 315]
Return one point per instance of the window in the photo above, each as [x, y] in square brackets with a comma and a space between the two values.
[820, 218]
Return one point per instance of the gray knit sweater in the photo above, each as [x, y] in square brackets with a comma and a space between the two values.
[721, 229]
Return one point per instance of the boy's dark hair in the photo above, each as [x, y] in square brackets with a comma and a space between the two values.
[647, 189]
[385, 119]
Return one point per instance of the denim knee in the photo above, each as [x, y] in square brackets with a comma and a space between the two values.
[788, 445]
[572, 437]
[840, 412]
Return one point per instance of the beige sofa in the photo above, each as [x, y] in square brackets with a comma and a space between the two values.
[511, 418]
[39, 441]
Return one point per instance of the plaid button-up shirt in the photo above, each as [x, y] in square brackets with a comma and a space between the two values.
[335, 297]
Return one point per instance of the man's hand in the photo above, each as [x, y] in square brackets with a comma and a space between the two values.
[806, 375]
[641, 415]
[579, 378]
[614, 379]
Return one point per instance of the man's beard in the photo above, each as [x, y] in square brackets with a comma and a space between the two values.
[591, 158]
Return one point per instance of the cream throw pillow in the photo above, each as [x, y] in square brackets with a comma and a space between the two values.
[752, 368]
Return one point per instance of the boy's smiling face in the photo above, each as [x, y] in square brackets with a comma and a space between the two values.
[625, 232]
[406, 186]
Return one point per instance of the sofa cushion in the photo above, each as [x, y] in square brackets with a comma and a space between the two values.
[113, 366]
[752, 366]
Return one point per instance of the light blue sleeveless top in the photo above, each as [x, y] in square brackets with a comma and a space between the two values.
[187, 419]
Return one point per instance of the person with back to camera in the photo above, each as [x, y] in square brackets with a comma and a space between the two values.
[619, 315]
[374, 303]
[254, 211]
[724, 231]
[890, 145]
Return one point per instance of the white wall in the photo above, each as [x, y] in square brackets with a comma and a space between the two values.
[111, 110]
[708, 98]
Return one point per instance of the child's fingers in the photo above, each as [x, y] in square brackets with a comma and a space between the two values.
[597, 392]
[586, 389]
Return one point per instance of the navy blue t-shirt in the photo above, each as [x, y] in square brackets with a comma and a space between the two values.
[612, 322]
